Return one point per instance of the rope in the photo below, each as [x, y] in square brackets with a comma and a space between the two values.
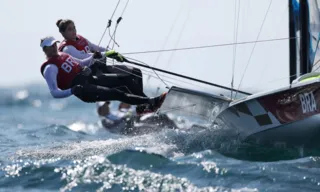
[113, 37]
[147, 72]
[109, 22]
[236, 26]
[245, 70]
[166, 40]
[208, 46]
[167, 86]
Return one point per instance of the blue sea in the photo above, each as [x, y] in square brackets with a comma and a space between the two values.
[59, 145]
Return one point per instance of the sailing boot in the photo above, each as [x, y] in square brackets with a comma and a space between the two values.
[152, 107]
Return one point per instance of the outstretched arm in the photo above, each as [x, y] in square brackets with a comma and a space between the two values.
[85, 62]
[71, 50]
[94, 47]
[50, 74]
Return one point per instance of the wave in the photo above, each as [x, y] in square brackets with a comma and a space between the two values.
[103, 146]
[80, 140]
[138, 170]
[141, 171]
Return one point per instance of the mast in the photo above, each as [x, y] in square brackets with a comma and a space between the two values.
[292, 44]
[305, 38]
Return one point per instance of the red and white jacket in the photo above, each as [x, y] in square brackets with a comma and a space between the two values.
[59, 72]
[81, 48]
[81, 44]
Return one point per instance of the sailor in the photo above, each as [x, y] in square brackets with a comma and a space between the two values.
[124, 109]
[110, 120]
[79, 47]
[66, 76]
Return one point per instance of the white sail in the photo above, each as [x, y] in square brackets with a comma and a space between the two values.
[210, 22]
[314, 34]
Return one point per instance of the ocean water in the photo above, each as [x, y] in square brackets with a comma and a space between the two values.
[58, 145]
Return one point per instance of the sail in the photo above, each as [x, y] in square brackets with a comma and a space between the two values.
[314, 30]
[242, 44]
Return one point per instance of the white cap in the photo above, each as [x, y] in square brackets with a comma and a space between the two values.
[48, 41]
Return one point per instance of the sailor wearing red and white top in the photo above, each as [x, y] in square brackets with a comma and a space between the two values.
[81, 48]
[66, 76]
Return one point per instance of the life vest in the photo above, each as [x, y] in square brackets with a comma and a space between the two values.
[81, 44]
[68, 68]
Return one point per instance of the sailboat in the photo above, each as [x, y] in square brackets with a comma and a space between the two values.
[288, 116]
[284, 117]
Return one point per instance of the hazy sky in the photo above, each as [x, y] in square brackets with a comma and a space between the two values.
[146, 25]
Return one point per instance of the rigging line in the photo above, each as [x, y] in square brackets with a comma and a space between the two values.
[275, 80]
[147, 72]
[109, 22]
[254, 45]
[315, 55]
[208, 46]
[179, 38]
[137, 75]
[277, 32]
[118, 21]
[168, 77]
[152, 70]
[158, 76]
[167, 37]
[234, 34]
[184, 76]
[173, 83]
[113, 38]
[114, 11]
[315, 65]
[236, 26]
[176, 82]
[125, 7]
[166, 40]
